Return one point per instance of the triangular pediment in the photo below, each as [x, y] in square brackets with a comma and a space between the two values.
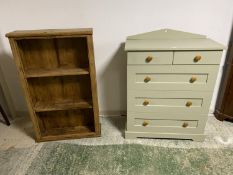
[166, 34]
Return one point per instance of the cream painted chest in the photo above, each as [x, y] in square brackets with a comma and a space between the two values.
[170, 81]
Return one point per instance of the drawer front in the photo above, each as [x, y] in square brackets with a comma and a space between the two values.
[165, 123]
[197, 57]
[150, 58]
[151, 102]
[164, 126]
[136, 120]
[177, 77]
[170, 102]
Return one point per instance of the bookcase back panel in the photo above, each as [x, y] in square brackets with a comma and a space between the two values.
[49, 90]
[38, 53]
[54, 53]
[72, 52]
[52, 123]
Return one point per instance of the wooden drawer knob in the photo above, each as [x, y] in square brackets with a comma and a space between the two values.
[193, 79]
[185, 125]
[197, 58]
[147, 79]
[189, 103]
[146, 102]
[145, 123]
[149, 59]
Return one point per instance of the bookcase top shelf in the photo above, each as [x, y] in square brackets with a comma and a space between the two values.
[49, 32]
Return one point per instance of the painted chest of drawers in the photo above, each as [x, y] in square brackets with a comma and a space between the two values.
[170, 81]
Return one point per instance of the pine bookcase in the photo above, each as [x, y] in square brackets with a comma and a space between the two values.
[57, 73]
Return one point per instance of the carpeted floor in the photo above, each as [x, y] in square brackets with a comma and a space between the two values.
[126, 159]
[112, 154]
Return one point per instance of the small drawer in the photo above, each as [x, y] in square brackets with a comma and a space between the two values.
[197, 57]
[150, 58]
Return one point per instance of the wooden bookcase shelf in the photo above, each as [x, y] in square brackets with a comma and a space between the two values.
[62, 105]
[68, 131]
[57, 72]
[76, 121]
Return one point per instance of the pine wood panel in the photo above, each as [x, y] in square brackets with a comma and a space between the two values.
[54, 53]
[68, 121]
[49, 33]
[17, 57]
[57, 72]
[62, 105]
[51, 89]
[93, 84]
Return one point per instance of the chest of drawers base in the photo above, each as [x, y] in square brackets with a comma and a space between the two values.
[170, 81]
[134, 135]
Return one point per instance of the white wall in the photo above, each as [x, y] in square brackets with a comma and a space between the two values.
[112, 21]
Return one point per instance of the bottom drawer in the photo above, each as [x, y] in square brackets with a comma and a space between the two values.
[164, 125]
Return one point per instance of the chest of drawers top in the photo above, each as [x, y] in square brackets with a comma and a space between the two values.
[170, 40]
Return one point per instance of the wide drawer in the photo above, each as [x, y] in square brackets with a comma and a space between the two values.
[177, 77]
[155, 102]
[165, 116]
[164, 126]
[172, 78]
[197, 57]
[169, 102]
[150, 58]
[165, 123]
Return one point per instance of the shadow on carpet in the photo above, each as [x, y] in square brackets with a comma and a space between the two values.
[127, 159]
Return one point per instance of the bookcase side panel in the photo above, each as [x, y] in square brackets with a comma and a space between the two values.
[93, 83]
[17, 58]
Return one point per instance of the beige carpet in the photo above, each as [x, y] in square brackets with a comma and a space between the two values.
[20, 135]
[19, 153]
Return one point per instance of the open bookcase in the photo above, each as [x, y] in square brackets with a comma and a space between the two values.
[57, 72]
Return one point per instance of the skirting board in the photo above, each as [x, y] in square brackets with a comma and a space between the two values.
[112, 113]
[22, 113]
[7, 97]
[194, 137]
